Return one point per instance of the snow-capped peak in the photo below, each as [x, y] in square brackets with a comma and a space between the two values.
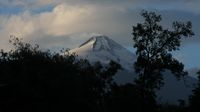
[101, 42]
[102, 48]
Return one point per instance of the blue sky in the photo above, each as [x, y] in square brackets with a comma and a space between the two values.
[56, 24]
[189, 54]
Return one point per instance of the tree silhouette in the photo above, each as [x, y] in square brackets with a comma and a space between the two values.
[154, 45]
[195, 97]
[128, 98]
[40, 81]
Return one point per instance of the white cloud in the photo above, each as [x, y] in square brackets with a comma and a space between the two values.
[57, 23]
[62, 20]
[70, 18]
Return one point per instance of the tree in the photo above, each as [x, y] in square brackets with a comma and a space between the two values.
[127, 98]
[195, 97]
[154, 45]
[40, 81]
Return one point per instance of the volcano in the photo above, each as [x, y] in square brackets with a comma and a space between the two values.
[103, 49]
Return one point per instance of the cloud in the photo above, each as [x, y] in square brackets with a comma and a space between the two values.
[25, 3]
[61, 21]
[67, 22]
[185, 5]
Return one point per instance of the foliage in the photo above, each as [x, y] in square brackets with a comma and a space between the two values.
[154, 45]
[127, 98]
[36, 81]
[195, 97]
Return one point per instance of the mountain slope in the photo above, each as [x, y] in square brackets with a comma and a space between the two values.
[103, 49]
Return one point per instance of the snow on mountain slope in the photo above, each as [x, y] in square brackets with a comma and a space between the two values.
[103, 49]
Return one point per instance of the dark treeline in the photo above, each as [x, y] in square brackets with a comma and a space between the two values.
[32, 80]
[40, 81]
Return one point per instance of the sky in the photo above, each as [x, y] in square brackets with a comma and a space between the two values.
[57, 24]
